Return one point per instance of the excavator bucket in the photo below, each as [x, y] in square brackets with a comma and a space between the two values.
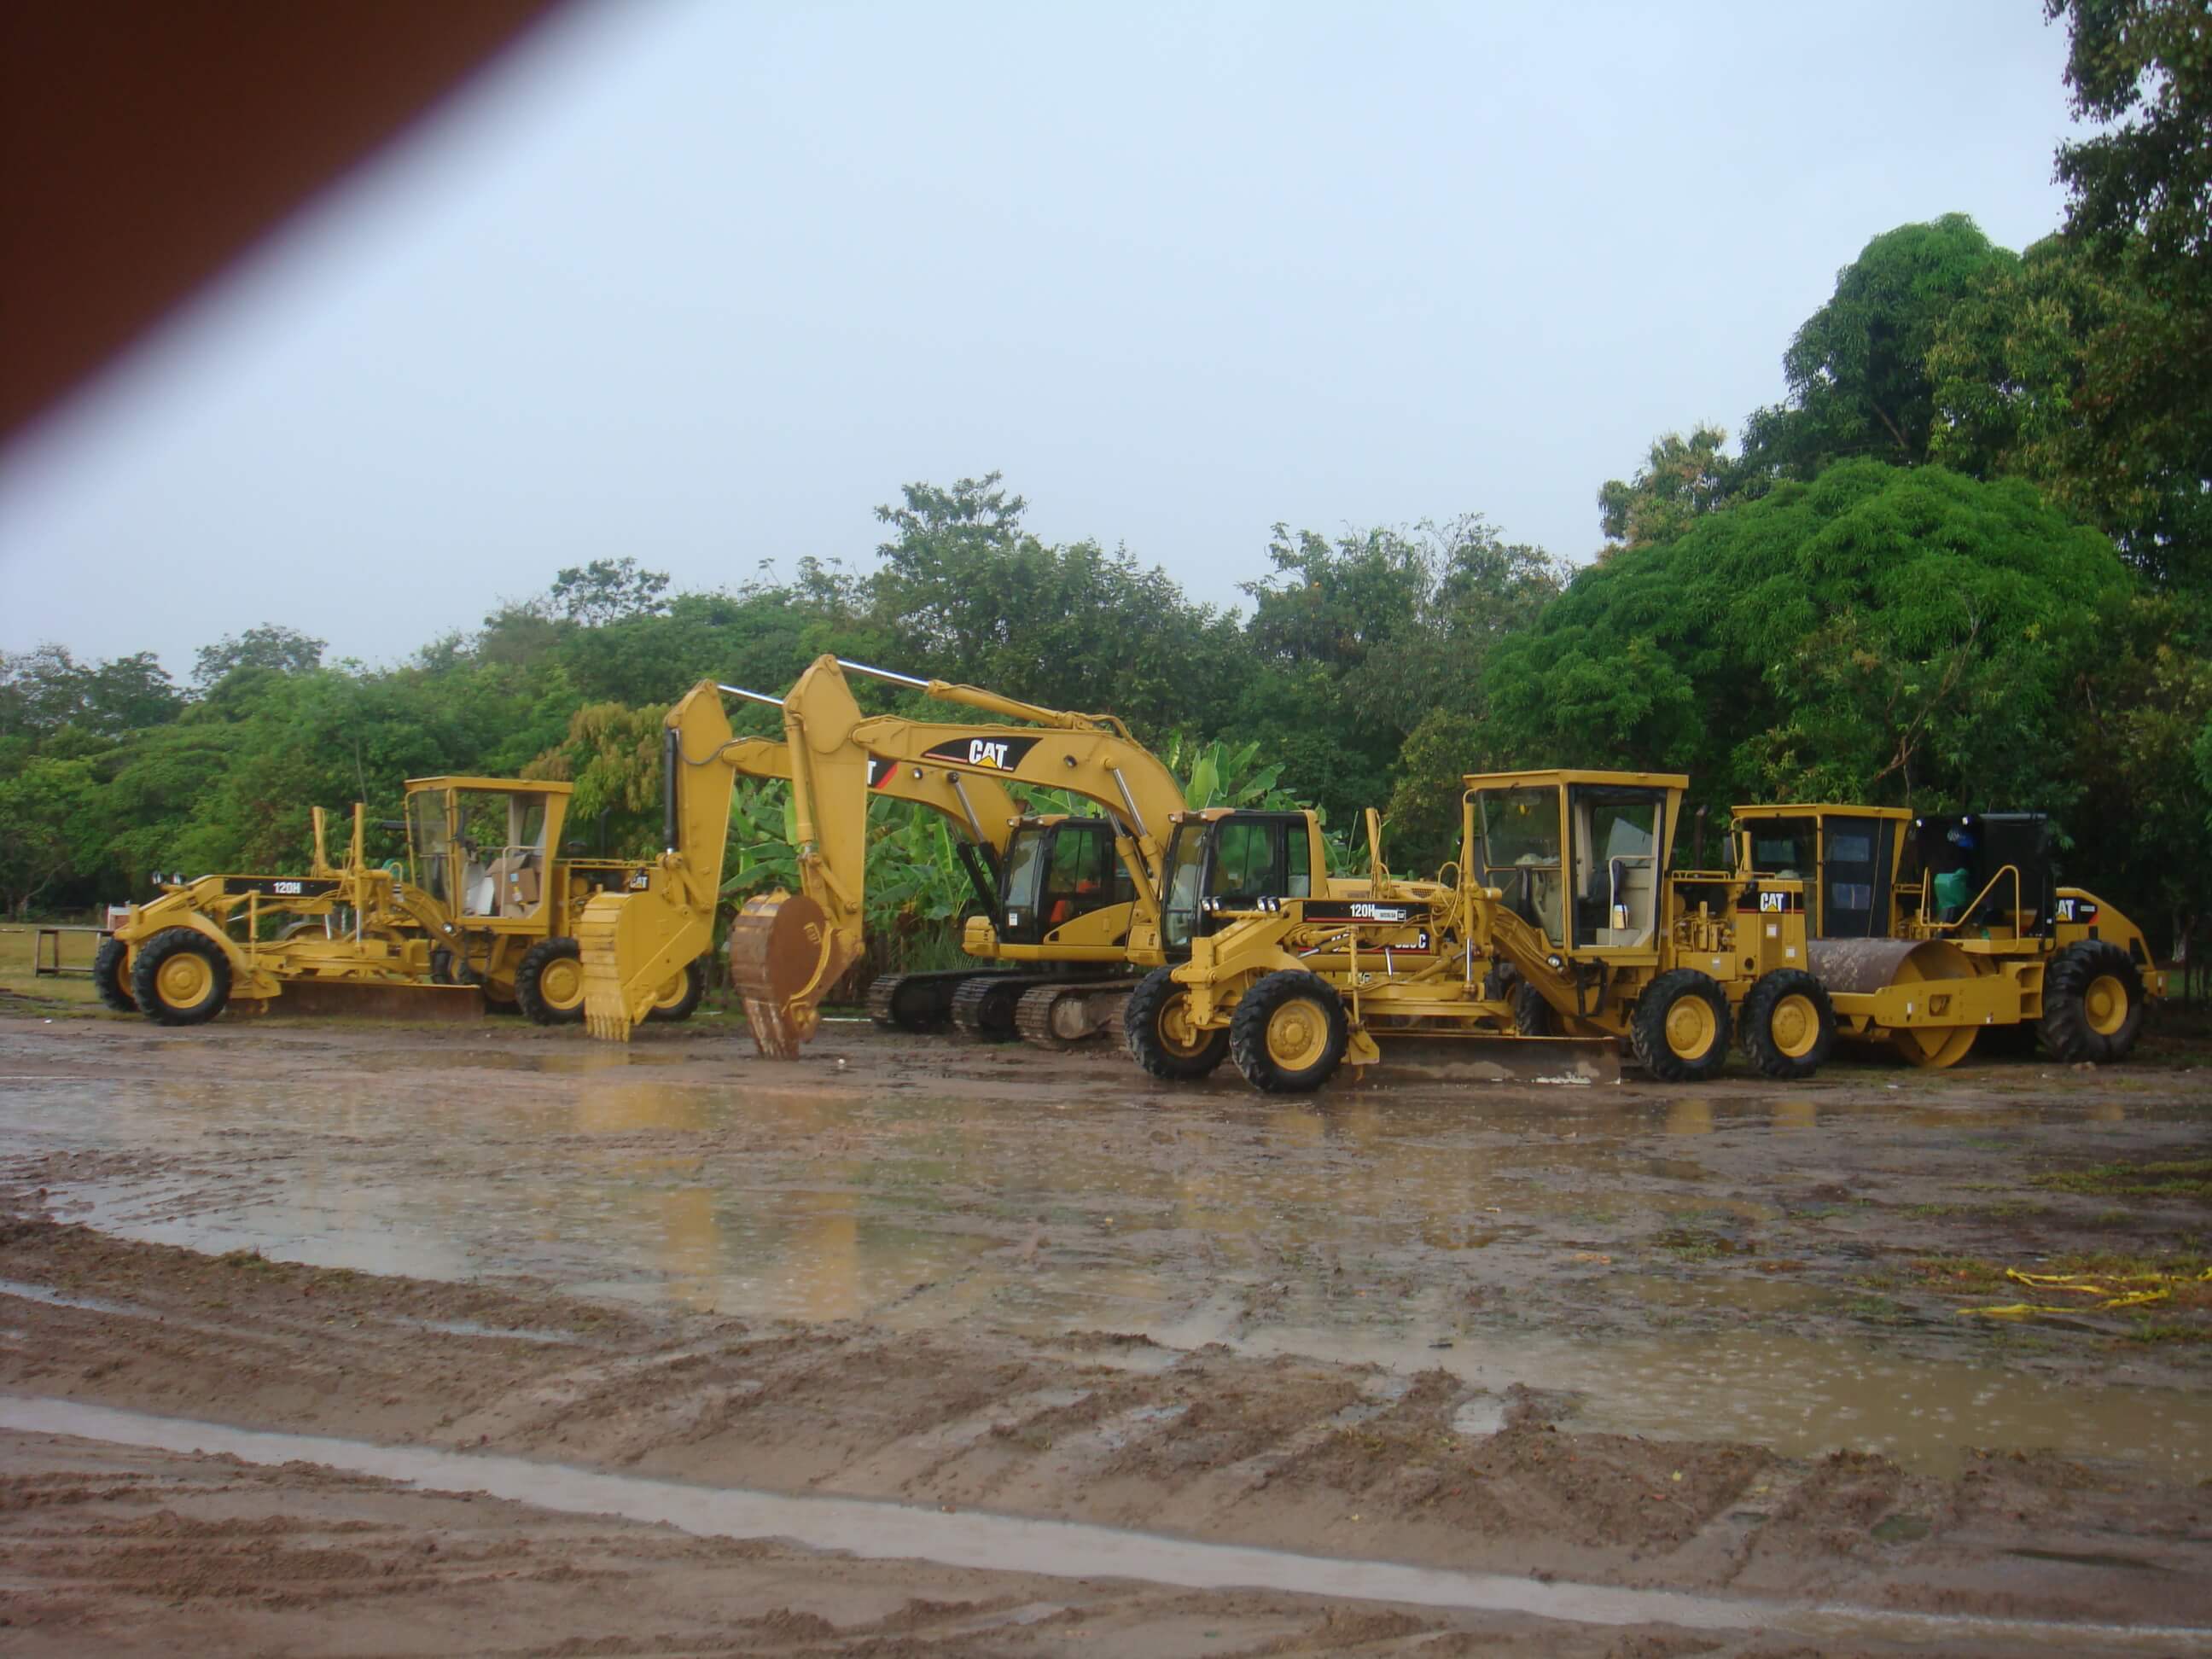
[783, 954]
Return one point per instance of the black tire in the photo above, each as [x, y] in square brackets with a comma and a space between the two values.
[529, 991]
[1498, 982]
[2079, 1022]
[1648, 1030]
[694, 987]
[1532, 1015]
[1256, 1018]
[1798, 1045]
[180, 945]
[111, 971]
[1161, 1054]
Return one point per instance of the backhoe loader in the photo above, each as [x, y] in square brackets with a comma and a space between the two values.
[1961, 911]
[483, 907]
[1072, 898]
[1566, 931]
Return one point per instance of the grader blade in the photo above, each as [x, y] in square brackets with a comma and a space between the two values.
[368, 999]
[779, 950]
[1571, 1062]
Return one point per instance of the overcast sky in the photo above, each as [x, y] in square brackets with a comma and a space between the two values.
[702, 283]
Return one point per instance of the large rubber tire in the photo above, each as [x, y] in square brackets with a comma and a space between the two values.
[682, 994]
[2092, 1003]
[1789, 1025]
[111, 971]
[1159, 1035]
[180, 978]
[1673, 1039]
[1532, 1015]
[1289, 1032]
[548, 983]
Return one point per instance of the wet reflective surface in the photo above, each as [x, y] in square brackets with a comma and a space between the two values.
[1669, 1265]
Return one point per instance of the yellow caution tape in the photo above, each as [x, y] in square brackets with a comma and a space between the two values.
[2158, 1287]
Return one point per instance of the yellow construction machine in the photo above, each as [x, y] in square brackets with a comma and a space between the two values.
[1564, 931]
[484, 905]
[1064, 897]
[1927, 930]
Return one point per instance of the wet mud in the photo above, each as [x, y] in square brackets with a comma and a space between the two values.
[1717, 1343]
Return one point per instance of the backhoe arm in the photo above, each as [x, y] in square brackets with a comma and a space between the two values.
[633, 944]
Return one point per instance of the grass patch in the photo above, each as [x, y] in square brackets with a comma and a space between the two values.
[2189, 1178]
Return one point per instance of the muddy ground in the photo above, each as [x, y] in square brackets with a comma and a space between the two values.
[1717, 1343]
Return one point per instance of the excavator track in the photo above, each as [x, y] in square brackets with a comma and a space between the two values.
[1068, 1014]
[918, 1001]
[983, 1007]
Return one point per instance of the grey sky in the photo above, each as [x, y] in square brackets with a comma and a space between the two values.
[702, 283]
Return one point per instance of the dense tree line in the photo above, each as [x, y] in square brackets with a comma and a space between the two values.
[1965, 561]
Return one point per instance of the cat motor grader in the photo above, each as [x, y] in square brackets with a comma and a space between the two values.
[1968, 908]
[484, 906]
[1562, 932]
[1060, 896]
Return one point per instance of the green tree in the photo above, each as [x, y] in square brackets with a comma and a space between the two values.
[1683, 478]
[50, 830]
[606, 590]
[1858, 370]
[1877, 635]
[276, 649]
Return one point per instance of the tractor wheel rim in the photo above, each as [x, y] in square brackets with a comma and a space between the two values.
[1796, 1026]
[2105, 1005]
[184, 980]
[1179, 1034]
[1298, 1035]
[670, 994]
[1690, 1027]
[562, 984]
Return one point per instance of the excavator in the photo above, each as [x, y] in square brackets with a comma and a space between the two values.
[1066, 897]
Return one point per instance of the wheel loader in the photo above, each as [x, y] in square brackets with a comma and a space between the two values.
[1065, 898]
[1965, 910]
[484, 906]
[1564, 931]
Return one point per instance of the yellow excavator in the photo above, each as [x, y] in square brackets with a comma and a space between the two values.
[1065, 898]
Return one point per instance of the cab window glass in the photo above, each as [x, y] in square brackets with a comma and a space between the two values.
[1244, 864]
[1297, 862]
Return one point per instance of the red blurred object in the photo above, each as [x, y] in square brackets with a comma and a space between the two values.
[146, 143]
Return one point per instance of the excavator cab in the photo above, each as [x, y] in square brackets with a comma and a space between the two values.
[1222, 861]
[1058, 869]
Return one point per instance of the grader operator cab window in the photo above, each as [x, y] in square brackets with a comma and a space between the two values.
[1233, 862]
[1517, 832]
[502, 847]
[1617, 832]
[430, 840]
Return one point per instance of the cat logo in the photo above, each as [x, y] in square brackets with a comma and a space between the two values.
[1774, 903]
[984, 754]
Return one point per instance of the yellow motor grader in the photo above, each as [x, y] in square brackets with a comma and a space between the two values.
[1064, 897]
[1965, 909]
[1564, 931]
[484, 905]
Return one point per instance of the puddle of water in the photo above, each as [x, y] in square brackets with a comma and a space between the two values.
[1351, 1229]
[980, 1539]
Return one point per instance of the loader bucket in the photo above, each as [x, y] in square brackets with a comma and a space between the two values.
[1572, 1063]
[368, 999]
